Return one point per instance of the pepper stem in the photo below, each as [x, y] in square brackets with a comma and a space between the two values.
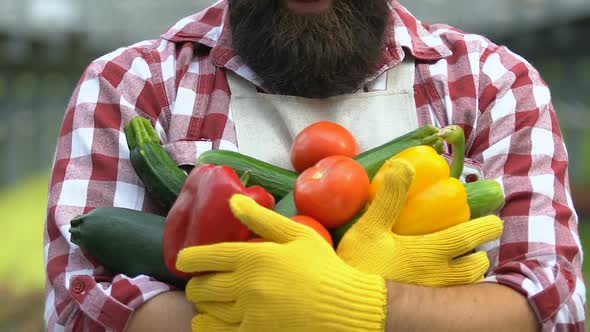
[455, 136]
[435, 141]
[245, 178]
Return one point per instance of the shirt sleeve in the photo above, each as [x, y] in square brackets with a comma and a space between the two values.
[92, 169]
[519, 142]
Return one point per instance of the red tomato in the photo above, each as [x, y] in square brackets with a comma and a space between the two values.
[333, 191]
[316, 226]
[320, 140]
[309, 222]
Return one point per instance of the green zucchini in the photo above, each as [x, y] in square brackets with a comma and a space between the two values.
[276, 180]
[162, 178]
[373, 159]
[125, 242]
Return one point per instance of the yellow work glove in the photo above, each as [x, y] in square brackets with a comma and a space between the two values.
[297, 282]
[438, 259]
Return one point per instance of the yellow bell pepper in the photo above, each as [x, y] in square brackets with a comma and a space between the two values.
[436, 199]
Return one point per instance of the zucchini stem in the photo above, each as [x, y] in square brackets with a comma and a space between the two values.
[455, 136]
[140, 131]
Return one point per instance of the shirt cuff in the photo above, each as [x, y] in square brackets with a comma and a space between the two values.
[548, 292]
[112, 303]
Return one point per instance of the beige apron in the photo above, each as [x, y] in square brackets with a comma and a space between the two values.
[266, 124]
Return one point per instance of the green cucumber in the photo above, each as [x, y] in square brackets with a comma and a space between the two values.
[485, 197]
[162, 178]
[373, 159]
[286, 206]
[125, 242]
[276, 180]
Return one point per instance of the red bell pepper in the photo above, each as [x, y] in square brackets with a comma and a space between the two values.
[201, 214]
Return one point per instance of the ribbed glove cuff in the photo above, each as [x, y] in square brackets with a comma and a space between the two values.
[353, 301]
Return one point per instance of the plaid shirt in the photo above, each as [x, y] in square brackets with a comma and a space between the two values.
[178, 81]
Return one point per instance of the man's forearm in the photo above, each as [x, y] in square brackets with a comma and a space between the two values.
[479, 307]
[166, 312]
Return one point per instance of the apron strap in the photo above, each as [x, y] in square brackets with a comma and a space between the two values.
[402, 80]
[239, 86]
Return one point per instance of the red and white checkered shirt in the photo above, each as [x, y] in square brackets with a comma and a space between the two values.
[178, 81]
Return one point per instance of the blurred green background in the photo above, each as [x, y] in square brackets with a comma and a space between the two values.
[45, 46]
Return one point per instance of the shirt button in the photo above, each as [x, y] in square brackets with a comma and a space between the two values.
[471, 178]
[78, 286]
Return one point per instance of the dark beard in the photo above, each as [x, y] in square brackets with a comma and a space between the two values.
[314, 56]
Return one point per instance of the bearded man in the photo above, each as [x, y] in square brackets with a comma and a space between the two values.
[249, 75]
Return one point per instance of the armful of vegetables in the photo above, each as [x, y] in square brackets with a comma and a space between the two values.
[164, 181]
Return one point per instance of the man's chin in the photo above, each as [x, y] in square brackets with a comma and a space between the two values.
[308, 7]
[317, 86]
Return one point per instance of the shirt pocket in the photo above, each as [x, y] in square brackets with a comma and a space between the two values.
[186, 152]
[472, 171]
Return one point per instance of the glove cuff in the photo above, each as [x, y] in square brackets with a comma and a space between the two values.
[351, 300]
